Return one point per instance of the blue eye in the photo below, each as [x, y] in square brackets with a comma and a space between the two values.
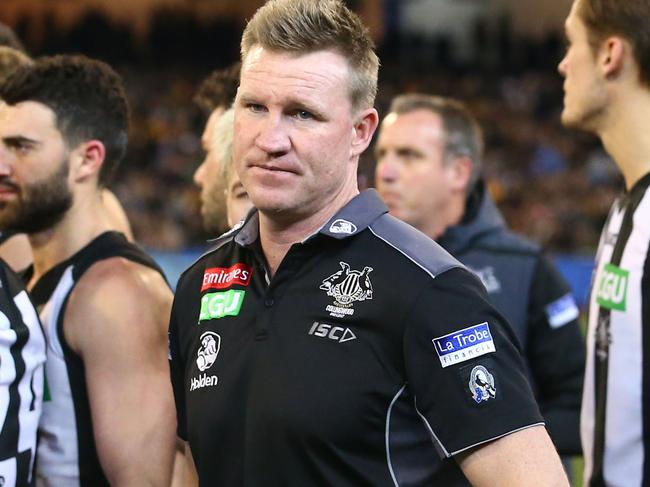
[304, 115]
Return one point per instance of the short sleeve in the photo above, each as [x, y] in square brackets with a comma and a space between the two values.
[464, 366]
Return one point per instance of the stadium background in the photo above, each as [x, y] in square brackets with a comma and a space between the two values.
[500, 56]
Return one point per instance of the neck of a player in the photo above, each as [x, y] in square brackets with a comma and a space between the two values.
[626, 136]
[84, 221]
[278, 234]
[449, 216]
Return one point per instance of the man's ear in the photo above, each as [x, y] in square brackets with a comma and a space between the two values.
[460, 172]
[364, 128]
[612, 56]
[87, 159]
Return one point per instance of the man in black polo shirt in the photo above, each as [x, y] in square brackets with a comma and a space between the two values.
[323, 342]
[429, 172]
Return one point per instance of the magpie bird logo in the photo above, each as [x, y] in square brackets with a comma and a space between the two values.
[481, 384]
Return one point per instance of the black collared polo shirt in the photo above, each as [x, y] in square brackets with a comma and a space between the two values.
[371, 357]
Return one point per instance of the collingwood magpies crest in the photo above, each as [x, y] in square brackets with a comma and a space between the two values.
[481, 384]
[347, 286]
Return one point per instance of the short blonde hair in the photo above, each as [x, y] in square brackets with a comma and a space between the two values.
[221, 140]
[305, 26]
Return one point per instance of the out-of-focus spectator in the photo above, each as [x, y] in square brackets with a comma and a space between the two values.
[9, 38]
[216, 94]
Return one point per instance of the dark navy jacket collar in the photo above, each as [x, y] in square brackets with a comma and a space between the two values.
[353, 218]
[486, 220]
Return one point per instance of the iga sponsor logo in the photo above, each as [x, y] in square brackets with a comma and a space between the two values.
[463, 345]
[218, 305]
[224, 277]
[612, 289]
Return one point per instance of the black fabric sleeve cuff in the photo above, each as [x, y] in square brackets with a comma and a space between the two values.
[462, 365]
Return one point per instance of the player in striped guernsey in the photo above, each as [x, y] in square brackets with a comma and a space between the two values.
[103, 303]
[22, 342]
[14, 247]
[22, 354]
[607, 92]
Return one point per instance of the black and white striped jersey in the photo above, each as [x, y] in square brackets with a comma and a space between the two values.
[67, 453]
[22, 355]
[615, 420]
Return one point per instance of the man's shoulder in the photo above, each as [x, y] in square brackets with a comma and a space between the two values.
[507, 241]
[115, 297]
[412, 246]
[120, 276]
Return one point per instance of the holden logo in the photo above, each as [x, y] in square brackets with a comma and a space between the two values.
[208, 351]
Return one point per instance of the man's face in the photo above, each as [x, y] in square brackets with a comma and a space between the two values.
[208, 177]
[585, 95]
[238, 204]
[34, 169]
[294, 132]
[412, 176]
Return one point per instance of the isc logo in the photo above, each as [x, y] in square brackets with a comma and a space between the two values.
[336, 333]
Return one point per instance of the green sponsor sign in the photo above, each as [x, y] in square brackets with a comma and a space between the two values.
[218, 305]
[612, 288]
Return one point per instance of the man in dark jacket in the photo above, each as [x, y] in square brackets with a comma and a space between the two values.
[429, 173]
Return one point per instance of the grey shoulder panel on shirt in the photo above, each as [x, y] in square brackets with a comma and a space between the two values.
[414, 245]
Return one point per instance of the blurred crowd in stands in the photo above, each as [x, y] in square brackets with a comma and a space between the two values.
[552, 185]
